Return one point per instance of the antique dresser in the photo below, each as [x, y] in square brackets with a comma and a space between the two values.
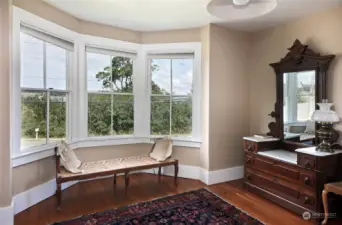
[290, 174]
[285, 167]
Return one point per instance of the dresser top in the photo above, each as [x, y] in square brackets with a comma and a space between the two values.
[257, 139]
[312, 151]
[282, 155]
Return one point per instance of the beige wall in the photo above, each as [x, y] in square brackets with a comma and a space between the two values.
[39, 172]
[204, 151]
[186, 156]
[186, 35]
[228, 97]
[33, 174]
[322, 32]
[5, 71]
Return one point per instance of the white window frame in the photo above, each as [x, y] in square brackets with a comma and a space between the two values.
[78, 93]
[178, 49]
[20, 17]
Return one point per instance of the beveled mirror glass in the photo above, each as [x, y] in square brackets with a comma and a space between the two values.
[299, 104]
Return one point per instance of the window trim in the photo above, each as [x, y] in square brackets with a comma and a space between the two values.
[78, 92]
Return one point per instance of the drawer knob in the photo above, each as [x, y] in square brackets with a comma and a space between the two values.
[306, 180]
[248, 177]
[250, 148]
[248, 161]
[307, 164]
[306, 200]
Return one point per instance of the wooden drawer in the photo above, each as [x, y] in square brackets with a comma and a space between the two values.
[281, 188]
[287, 172]
[250, 146]
[307, 161]
[308, 180]
[272, 186]
[290, 172]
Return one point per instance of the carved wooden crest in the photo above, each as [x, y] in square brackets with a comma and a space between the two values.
[300, 56]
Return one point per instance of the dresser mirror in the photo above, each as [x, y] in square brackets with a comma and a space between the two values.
[300, 84]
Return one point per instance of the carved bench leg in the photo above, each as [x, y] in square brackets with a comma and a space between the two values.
[159, 174]
[176, 173]
[59, 196]
[126, 182]
[325, 204]
[114, 181]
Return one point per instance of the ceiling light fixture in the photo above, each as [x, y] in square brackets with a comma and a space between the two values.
[240, 2]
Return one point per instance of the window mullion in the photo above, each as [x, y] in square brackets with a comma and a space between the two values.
[111, 114]
[44, 64]
[111, 96]
[171, 74]
[47, 116]
[47, 95]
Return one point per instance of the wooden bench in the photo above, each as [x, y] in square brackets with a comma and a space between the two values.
[109, 167]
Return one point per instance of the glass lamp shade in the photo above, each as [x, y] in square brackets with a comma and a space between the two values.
[325, 114]
[240, 2]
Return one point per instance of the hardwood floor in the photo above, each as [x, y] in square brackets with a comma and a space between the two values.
[96, 196]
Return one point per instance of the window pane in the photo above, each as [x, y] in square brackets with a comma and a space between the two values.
[56, 67]
[182, 75]
[99, 114]
[122, 74]
[123, 114]
[160, 115]
[161, 76]
[98, 72]
[57, 119]
[305, 108]
[33, 119]
[181, 116]
[32, 62]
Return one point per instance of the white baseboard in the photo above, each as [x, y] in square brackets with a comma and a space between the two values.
[6, 214]
[204, 175]
[225, 175]
[184, 171]
[39, 193]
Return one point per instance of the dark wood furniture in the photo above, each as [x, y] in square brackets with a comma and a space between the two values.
[293, 179]
[335, 188]
[299, 58]
[63, 176]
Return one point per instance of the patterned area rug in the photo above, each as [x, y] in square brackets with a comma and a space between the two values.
[194, 207]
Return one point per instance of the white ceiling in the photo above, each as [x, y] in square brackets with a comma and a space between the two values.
[153, 15]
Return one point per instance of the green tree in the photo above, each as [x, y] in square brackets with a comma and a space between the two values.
[106, 109]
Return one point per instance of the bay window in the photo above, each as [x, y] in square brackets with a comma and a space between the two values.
[44, 87]
[110, 92]
[171, 88]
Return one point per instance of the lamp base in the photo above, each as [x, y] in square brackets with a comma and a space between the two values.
[325, 147]
[325, 134]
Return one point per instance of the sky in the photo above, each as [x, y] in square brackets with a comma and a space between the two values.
[32, 72]
[32, 75]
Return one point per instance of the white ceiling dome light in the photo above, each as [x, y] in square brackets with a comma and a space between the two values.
[241, 2]
[240, 9]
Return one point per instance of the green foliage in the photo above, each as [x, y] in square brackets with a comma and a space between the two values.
[106, 109]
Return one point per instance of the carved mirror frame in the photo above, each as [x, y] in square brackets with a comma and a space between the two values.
[299, 58]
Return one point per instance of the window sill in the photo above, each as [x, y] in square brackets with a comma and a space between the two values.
[45, 151]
